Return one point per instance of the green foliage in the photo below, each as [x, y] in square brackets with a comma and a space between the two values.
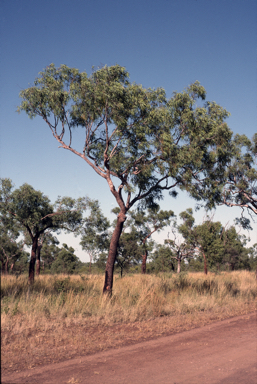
[34, 212]
[162, 259]
[66, 261]
[223, 247]
[136, 135]
[137, 139]
[95, 237]
[240, 187]
[253, 257]
[129, 252]
[49, 250]
[29, 211]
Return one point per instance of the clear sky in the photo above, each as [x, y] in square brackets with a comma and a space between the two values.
[169, 43]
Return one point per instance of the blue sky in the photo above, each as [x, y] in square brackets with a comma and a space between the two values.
[169, 43]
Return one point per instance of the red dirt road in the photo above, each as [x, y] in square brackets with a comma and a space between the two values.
[224, 352]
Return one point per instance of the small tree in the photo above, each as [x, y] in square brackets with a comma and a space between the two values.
[66, 261]
[10, 248]
[129, 250]
[146, 223]
[95, 237]
[162, 259]
[181, 249]
[10, 251]
[136, 139]
[34, 212]
[236, 255]
[47, 251]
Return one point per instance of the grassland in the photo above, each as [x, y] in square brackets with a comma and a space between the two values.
[61, 317]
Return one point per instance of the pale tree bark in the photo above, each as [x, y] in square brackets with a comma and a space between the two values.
[179, 266]
[38, 259]
[33, 260]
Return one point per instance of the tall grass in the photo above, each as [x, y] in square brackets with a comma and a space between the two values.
[61, 317]
[135, 298]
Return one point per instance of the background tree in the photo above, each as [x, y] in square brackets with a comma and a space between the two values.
[33, 211]
[10, 251]
[162, 259]
[181, 248]
[129, 252]
[95, 237]
[236, 255]
[48, 251]
[139, 141]
[10, 231]
[145, 223]
[66, 261]
[253, 257]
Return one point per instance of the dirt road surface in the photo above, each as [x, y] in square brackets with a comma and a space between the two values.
[224, 352]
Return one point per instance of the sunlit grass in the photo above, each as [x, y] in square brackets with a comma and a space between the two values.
[61, 316]
[134, 298]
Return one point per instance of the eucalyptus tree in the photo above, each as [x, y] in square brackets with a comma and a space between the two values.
[240, 185]
[146, 223]
[10, 247]
[66, 261]
[10, 251]
[162, 259]
[33, 211]
[47, 251]
[137, 139]
[129, 252]
[236, 255]
[182, 248]
[95, 237]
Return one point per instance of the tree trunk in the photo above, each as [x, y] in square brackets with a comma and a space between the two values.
[205, 263]
[179, 266]
[6, 266]
[144, 258]
[38, 261]
[108, 283]
[90, 262]
[33, 260]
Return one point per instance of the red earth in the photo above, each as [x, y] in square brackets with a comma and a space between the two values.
[224, 352]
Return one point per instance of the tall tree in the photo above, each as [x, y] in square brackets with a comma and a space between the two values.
[34, 212]
[136, 139]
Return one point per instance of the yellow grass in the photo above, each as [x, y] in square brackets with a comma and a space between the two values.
[69, 315]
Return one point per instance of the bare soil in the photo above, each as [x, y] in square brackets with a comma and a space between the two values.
[221, 352]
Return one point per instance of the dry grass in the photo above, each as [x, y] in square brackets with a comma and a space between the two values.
[61, 317]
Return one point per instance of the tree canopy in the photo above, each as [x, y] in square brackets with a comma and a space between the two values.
[240, 183]
[137, 139]
[35, 214]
